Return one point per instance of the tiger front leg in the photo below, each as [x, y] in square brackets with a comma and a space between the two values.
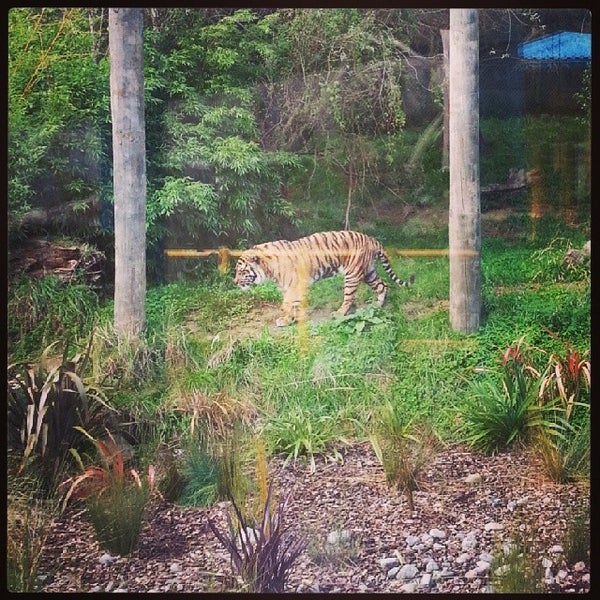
[293, 309]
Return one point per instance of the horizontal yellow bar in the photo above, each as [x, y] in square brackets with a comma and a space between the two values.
[189, 253]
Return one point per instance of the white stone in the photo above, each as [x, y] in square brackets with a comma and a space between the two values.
[388, 563]
[493, 526]
[469, 543]
[393, 572]
[106, 559]
[432, 566]
[437, 533]
[425, 580]
[482, 567]
[473, 478]
[556, 549]
[409, 588]
[407, 572]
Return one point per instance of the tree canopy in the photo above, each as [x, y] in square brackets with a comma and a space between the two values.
[236, 101]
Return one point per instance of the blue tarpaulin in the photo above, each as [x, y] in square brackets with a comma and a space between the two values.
[563, 45]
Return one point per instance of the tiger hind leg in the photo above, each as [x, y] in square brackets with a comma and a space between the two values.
[377, 285]
[350, 287]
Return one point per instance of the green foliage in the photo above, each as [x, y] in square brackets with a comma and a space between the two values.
[577, 536]
[262, 552]
[553, 266]
[356, 323]
[517, 569]
[212, 469]
[46, 403]
[301, 434]
[41, 311]
[509, 408]
[403, 448]
[117, 517]
[29, 519]
[115, 498]
[58, 105]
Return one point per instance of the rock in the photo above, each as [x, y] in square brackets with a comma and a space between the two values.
[411, 540]
[437, 533]
[556, 549]
[482, 567]
[469, 542]
[106, 559]
[473, 478]
[407, 572]
[579, 566]
[431, 566]
[426, 581]
[175, 568]
[409, 588]
[493, 526]
[388, 563]
[391, 574]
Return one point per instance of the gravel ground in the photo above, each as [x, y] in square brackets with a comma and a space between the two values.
[361, 537]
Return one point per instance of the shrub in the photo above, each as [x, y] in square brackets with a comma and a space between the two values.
[42, 310]
[115, 498]
[29, 519]
[403, 449]
[506, 410]
[261, 552]
[46, 402]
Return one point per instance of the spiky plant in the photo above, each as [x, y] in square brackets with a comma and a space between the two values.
[262, 552]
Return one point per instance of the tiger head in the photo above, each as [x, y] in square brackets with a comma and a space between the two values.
[248, 271]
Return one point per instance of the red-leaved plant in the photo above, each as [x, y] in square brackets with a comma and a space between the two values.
[115, 497]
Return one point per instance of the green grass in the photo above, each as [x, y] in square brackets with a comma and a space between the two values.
[316, 386]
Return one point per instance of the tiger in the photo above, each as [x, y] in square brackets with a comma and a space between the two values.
[295, 265]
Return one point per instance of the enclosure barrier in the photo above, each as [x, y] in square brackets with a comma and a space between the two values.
[225, 254]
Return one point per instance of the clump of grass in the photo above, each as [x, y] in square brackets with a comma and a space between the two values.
[508, 409]
[28, 518]
[262, 552]
[213, 467]
[577, 538]
[403, 448]
[517, 569]
[301, 434]
[212, 470]
[115, 498]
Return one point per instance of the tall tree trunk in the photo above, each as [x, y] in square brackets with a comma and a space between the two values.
[129, 168]
[465, 212]
[445, 127]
